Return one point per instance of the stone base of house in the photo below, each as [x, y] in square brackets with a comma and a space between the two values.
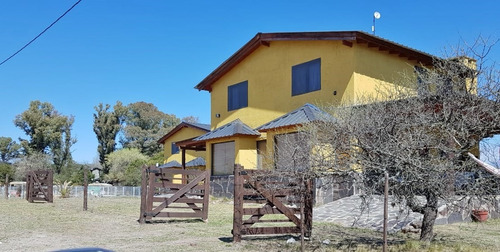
[222, 186]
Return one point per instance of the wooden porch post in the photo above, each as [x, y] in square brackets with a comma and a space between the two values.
[183, 158]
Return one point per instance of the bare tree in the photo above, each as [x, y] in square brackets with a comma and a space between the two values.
[419, 132]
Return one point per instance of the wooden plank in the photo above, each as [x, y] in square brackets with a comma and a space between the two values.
[265, 221]
[266, 210]
[172, 186]
[178, 194]
[270, 230]
[184, 207]
[275, 202]
[179, 215]
[181, 200]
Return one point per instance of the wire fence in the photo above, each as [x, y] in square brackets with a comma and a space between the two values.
[19, 191]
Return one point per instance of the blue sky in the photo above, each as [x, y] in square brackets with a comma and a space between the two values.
[157, 51]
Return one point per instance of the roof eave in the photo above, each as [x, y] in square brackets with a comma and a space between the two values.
[350, 36]
[177, 128]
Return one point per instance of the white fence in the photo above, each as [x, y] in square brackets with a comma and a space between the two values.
[77, 191]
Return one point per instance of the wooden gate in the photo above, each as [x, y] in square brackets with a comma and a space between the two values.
[171, 192]
[40, 186]
[274, 204]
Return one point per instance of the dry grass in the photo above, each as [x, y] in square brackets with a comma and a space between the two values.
[112, 223]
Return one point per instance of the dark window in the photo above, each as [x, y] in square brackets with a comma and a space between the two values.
[175, 148]
[237, 96]
[223, 158]
[306, 77]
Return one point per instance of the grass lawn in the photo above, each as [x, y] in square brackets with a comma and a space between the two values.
[111, 223]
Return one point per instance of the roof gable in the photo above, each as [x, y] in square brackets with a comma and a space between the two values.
[347, 38]
[200, 126]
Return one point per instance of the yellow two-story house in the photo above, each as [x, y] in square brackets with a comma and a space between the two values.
[271, 84]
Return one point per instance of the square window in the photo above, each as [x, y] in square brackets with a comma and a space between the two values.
[237, 96]
[175, 148]
[306, 77]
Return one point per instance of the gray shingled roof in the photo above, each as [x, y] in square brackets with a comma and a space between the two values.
[236, 127]
[170, 164]
[196, 162]
[201, 125]
[305, 114]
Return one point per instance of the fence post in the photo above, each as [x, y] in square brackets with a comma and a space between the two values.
[151, 192]
[85, 188]
[144, 188]
[308, 206]
[6, 186]
[238, 203]
[28, 187]
[50, 186]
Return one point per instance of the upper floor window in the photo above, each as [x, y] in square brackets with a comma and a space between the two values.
[175, 148]
[306, 77]
[237, 96]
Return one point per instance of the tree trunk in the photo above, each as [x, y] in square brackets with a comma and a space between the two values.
[430, 215]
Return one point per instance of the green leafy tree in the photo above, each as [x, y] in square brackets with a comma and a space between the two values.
[8, 149]
[124, 165]
[143, 124]
[49, 132]
[106, 128]
[6, 168]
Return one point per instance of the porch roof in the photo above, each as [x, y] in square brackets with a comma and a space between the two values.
[196, 162]
[170, 164]
[234, 128]
[305, 114]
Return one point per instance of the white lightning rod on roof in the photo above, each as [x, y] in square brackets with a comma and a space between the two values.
[376, 15]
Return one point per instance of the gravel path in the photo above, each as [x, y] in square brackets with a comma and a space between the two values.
[347, 212]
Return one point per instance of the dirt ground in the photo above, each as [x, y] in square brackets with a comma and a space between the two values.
[111, 223]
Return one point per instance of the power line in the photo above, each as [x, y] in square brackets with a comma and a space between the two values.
[40, 34]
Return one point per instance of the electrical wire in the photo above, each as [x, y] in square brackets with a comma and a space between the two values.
[40, 34]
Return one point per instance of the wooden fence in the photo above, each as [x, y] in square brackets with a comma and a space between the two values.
[171, 192]
[40, 186]
[274, 204]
